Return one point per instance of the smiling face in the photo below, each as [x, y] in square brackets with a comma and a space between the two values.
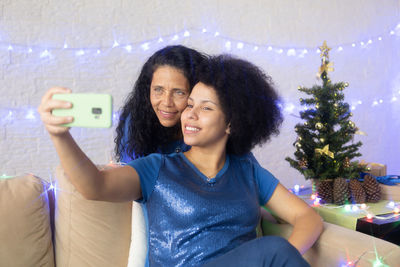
[203, 121]
[169, 91]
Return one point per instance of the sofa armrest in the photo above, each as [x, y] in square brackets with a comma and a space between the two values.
[338, 245]
[25, 228]
[88, 232]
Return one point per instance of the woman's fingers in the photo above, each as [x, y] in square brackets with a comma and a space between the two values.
[52, 123]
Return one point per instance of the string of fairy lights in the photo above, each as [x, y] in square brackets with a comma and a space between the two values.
[230, 45]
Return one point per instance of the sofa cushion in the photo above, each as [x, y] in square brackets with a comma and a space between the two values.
[89, 233]
[25, 232]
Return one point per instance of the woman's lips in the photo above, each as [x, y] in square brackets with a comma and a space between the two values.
[167, 115]
[191, 129]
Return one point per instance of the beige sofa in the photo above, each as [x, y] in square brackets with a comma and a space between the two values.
[93, 233]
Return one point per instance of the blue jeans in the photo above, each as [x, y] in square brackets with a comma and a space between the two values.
[266, 251]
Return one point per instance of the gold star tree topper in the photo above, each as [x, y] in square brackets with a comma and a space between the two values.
[326, 66]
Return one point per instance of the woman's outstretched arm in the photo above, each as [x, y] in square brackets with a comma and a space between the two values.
[117, 184]
[307, 224]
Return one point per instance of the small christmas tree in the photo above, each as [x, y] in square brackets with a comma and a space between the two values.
[323, 148]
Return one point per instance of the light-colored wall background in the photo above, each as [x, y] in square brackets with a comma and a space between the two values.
[33, 34]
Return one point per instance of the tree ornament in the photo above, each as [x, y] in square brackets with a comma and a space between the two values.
[324, 51]
[317, 105]
[303, 163]
[319, 126]
[352, 124]
[298, 145]
[325, 151]
[346, 162]
[322, 140]
[306, 123]
[325, 67]
[346, 84]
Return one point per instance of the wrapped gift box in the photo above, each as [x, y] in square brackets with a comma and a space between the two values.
[376, 169]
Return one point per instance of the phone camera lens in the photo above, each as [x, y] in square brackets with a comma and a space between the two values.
[96, 110]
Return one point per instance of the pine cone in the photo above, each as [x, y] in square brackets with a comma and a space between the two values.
[325, 191]
[340, 191]
[372, 189]
[357, 191]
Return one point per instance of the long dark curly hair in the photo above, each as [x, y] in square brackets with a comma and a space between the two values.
[139, 131]
[248, 99]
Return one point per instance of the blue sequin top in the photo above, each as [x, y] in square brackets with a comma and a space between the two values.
[192, 219]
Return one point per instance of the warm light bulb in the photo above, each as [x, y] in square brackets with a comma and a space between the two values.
[369, 216]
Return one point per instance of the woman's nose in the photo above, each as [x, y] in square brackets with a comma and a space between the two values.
[167, 99]
[192, 113]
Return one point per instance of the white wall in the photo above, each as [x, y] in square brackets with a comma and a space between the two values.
[371, 70]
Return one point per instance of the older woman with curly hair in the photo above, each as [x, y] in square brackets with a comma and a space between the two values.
[150, 118]
[204, 204]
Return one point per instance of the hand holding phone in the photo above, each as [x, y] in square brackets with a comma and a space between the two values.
[88, 110]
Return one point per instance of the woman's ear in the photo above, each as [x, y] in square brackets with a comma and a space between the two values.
[228, 128]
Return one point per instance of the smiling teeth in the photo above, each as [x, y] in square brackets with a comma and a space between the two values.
[192, 129]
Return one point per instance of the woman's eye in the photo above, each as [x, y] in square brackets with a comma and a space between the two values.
[157, 89]
[207, 108]
[189, 106]
[180, 93]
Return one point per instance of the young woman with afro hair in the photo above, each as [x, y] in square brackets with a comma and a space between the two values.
[204, 204]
